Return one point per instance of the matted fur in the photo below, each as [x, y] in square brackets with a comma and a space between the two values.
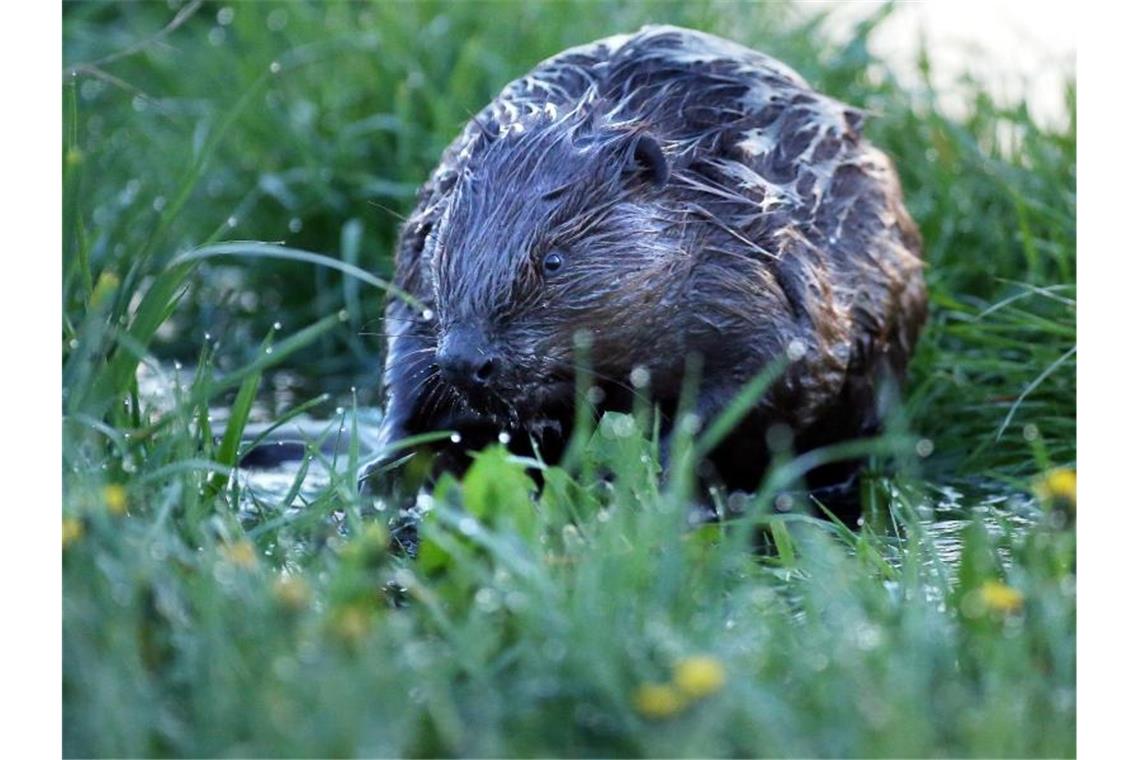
[774, 228]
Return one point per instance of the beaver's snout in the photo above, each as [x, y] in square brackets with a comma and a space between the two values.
[468, 362]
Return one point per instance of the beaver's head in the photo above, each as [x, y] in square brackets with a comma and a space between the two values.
[557, 235]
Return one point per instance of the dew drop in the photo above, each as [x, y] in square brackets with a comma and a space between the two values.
[159, 203]
[232, 222]
[924, 447]
[456, 438]
[275, 68]
[427, 314]
[226, 16]
[269, 349]
[796, 350]
[342, 315]
[295, 224]
[276, 325]
[504, 437]
[73, 343]
[624, 426]
[639, 377]
[277, 20]
[468, 526]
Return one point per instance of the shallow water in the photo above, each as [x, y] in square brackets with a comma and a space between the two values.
[945, 509]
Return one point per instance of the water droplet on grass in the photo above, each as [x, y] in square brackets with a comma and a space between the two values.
[504, 438]
[691, 423]
[295, 225]
[226, 16]
[276, 325]
[456, 438]
[275, 68]
[487, 599]
[624, 426]
[277, 20]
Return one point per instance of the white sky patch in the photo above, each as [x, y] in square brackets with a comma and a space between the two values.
[1015, 48]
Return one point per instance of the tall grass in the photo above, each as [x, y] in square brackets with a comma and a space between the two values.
[201, 619]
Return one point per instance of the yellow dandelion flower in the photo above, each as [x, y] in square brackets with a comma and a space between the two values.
[107, 284]
[242, 554]
[699, 676]
[370, 548]
[352, 624]
[291, 592]
[1058, 487]
[998, 597]
[657, 701]
[115, 498]
[72, 531]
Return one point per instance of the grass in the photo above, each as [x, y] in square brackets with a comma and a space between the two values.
[200, 621]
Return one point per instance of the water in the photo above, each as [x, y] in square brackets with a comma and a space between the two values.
[295, 462]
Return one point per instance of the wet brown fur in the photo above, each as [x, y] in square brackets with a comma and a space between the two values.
[778, 226]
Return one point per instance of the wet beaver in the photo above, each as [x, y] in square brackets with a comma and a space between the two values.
[667, 194]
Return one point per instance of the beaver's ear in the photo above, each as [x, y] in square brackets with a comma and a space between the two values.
[647, 160]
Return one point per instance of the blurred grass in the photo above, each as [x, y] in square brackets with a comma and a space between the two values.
[517, 631]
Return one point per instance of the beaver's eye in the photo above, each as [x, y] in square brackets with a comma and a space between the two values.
[552, 262]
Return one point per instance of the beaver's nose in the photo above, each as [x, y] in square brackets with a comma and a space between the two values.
[466, 360]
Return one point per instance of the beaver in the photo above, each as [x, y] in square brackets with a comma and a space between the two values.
[655, 196]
